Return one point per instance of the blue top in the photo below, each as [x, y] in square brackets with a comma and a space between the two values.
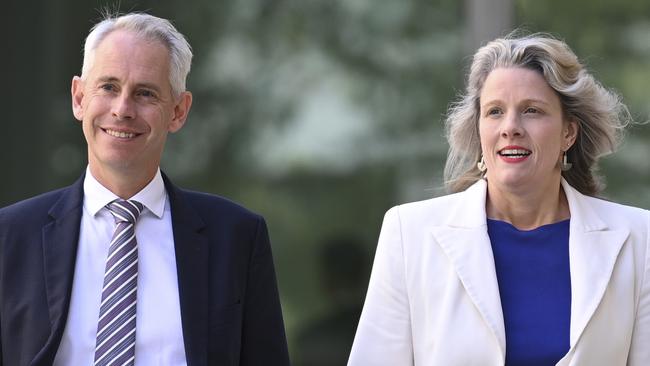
[532, 269]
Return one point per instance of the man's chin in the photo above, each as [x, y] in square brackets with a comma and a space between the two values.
[115, 165]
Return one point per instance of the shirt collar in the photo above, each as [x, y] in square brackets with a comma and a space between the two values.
[153, 196]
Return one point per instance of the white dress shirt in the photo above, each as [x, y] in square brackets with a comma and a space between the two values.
[159, 333]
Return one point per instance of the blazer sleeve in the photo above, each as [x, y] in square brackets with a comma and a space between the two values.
[383, 335]
[263, 339]
[639, 348]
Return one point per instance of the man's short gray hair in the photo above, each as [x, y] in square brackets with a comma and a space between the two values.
[151, 28]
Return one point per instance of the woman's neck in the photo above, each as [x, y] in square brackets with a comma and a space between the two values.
[527, 210]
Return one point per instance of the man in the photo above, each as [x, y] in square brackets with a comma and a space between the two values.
[123, 267]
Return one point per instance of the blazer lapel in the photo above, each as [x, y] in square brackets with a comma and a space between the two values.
[60, 240]
[191, 249]
[593, 250]
[464, 238]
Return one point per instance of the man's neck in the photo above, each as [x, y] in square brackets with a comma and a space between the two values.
[123, 184]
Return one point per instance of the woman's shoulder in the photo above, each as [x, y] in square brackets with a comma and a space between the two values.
[605, 203]
[430, 211]
[596, 212]
[617, 212]
[431, 203]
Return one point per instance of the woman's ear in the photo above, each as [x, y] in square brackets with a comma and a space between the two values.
[571, 131]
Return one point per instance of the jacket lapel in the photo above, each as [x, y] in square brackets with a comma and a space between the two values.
[593, 250]
[60, 239]
[191, 248]
[464, 239]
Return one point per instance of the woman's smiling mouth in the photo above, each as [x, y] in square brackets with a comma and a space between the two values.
[514, 154]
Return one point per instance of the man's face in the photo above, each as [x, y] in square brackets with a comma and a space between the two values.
[126, 106]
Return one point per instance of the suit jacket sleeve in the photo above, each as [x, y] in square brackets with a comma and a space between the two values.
[384, 332]
[639, 350]
[1, 357]
[2, 240]
[263, 338]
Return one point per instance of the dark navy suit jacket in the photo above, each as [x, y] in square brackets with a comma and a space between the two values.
[230, 309]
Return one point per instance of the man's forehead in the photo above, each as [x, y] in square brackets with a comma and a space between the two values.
[135, 43]
[129, 57]
[130, 33]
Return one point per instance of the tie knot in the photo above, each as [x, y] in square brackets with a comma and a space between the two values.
[125, 210]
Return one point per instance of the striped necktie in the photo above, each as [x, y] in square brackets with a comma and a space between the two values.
[115, 344]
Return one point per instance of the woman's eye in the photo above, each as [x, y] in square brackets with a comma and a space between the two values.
[531, 110]
[494, 111]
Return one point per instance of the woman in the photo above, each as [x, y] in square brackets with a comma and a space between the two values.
[522, 265]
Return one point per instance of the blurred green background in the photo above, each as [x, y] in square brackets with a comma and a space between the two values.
[318, 114]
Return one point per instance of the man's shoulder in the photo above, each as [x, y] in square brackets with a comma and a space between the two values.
[208, 204]
[33, 206]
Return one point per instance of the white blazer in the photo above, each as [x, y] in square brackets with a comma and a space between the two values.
[433, 297]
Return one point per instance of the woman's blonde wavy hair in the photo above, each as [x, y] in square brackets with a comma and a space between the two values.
[600, 113]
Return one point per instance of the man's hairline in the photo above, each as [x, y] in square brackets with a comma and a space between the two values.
[91, 63]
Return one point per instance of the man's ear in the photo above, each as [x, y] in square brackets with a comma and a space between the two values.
[77, 91]
[181, 110]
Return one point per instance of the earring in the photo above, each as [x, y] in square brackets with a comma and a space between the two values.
[565, 165]
[481, 165]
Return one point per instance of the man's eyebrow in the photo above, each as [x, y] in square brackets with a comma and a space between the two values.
[146, 85]
[105, 79]
[151, 86]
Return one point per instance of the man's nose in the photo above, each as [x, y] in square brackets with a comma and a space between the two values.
[123, 107]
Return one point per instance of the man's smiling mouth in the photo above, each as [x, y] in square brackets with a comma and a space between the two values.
[120, 134]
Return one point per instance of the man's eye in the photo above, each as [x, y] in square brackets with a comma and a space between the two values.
[107, 87]
[146, 93]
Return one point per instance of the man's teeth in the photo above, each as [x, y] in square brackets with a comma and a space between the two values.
[515, 153]
[124, 135]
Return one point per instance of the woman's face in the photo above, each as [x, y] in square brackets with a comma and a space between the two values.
[522, 129]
